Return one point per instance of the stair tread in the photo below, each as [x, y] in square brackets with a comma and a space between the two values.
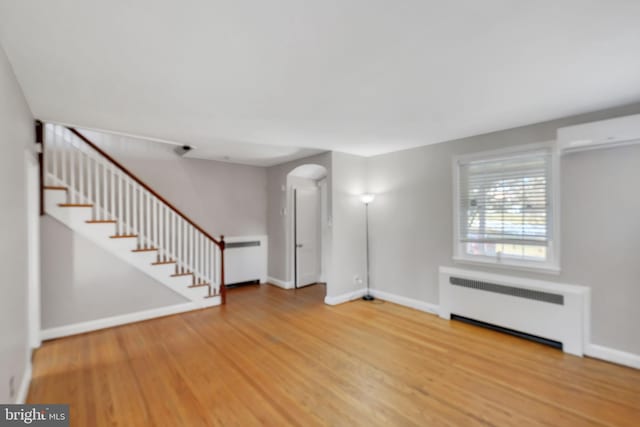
[54, 187]
[163, 262]
[75, 205]
[144, 250]
[101, 221]
[124, 236]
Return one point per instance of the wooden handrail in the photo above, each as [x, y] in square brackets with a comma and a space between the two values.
[220, 243]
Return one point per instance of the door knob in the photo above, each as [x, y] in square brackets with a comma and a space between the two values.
[299, 245]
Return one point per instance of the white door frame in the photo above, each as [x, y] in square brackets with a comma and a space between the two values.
[32, 170]
[290, 244]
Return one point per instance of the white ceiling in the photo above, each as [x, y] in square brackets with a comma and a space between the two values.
[359, 76]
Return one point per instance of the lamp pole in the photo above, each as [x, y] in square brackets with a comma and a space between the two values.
[366, 199]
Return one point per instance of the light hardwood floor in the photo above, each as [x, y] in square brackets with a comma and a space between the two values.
[276, 357]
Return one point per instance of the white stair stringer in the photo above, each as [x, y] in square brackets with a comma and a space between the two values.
[76, 217]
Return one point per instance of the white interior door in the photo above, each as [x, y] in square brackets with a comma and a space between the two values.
[307, 239]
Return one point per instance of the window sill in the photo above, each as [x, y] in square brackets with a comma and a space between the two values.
[543, 268]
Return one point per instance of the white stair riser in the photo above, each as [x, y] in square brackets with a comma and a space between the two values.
[166, 269]
[147, 257]
[53, 197]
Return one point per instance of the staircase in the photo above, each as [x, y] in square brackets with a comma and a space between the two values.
[97, 197]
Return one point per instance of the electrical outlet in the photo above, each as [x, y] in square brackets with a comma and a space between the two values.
[12, 386]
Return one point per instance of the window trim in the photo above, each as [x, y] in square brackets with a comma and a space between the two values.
[552, 264]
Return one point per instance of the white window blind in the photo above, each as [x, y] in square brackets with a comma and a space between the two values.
[504, 206]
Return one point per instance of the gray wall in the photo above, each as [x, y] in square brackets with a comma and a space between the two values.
[348, 255]
[279, 264]
[412, 222]
[16, 137]
[81, 281]
[223, 198]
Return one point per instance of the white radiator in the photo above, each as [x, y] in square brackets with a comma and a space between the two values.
[553, 311]
[245, 259]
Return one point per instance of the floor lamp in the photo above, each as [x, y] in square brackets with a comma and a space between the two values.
[366, 199]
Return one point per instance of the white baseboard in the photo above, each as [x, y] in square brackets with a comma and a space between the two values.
[108, 322]
[23, 391]
[280, 283]
[614, 356]
[407, 302]
[349, 296]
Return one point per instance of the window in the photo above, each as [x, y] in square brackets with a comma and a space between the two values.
[505, 209]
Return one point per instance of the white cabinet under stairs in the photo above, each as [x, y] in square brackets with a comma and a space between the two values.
[93, 195]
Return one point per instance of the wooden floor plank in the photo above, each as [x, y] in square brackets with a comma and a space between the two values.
[276, 357]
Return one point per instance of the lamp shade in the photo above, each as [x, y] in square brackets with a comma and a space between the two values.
[367, 198]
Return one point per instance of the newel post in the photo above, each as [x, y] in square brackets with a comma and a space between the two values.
[223, 288]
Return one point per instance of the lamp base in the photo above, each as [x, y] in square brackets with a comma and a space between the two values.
[368, 297]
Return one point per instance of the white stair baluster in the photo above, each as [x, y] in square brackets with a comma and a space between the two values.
[147, 219]
[179, 238]
[72, 181]
[165, 224]
[202, 263]
[210, 260]
[195, 252]
[187, 264]
[217, 268]
[80, 175]
[131, 206]
[104, 192]
[52, 149]
[198, 254]
[136, 219]
[159, 230]
[156, 241]
[121, 211]
[112, 195]
[188, 246]
[165, 228]
[172, 234]
[90, 185]
[126, 205]
[179, 242]
[63, 158]
[206, 261]
[185, 245]
[151, 235]
[192, 248]
[170, 253]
